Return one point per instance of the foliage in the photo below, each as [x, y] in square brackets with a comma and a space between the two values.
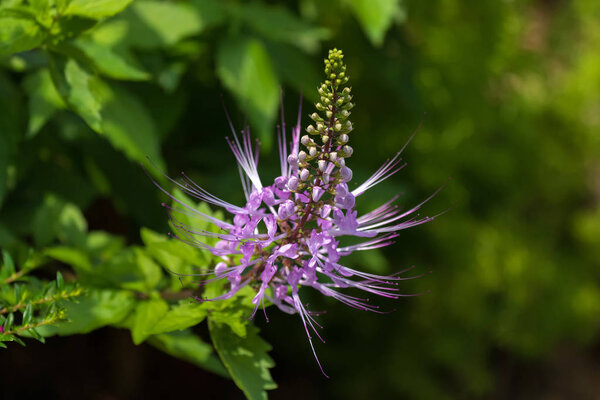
[90, 89]
[28, 305]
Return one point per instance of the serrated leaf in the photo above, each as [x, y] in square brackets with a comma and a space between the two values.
[147, 315]
[122, 270]
[376, 16]
[78, 88]
[18, 35]
[246, 359]
[44, 100]
[187, 346]
[96, 9]
[96, 308]
[180, 316]
[279, 24]
[244, 67]
[110, 63]
[175, 256]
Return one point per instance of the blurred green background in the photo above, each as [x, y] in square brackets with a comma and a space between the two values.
[508, 96]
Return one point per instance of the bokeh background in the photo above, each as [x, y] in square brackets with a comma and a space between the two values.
[507, 93]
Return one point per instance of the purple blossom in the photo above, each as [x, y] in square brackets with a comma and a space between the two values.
[287, 233]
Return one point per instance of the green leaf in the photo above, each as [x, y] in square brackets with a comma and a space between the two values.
[129, 268]
[187, 346]
[175, 256]
[18, 35]
[211, 12]
[279, 24]
[246, 359]
[376, 16]
[150, 25]
[4, 164]
[28, 314]
[78, 89]
[108, 109]
[96, 308]
[110, 63]
[244, 67]
[96, 9]
[147, 315]
[8, 265]
[151, 271]
[181, 316]
[78, 259]
[129, 126]
[57, 219]
[44, 100]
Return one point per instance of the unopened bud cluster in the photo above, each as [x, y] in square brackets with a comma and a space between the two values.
[321, 163]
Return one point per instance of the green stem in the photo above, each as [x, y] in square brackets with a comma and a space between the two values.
[62, 296]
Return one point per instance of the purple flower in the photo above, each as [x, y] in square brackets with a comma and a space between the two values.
[287, 232]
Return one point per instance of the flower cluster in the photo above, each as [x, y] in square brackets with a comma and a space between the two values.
[286, 235]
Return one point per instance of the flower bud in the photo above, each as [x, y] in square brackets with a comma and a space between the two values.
[347, 150]
[305, 140]
[290, 207]
[325, 178]
[292, 160]
[220, 268]
[304, 174]
[349, 201]
[338, 127]
[310, 129]
[341, 162]
[292, 183]
[268, 197]
[343, 139]
[341, 190]
[333, 156]
[317, 193]
[325, 210]
[301, 156]
[312, 151]
[346, 174]
[325, 139]
[322, 165]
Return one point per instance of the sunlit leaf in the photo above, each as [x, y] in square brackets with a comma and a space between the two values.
[44, 100]
[95, 309]
[18, 35]
[95, 9]
[189, 347]
[109, 62]
[147, 314]
[246, 359]
[181, 316]
[78, 88]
